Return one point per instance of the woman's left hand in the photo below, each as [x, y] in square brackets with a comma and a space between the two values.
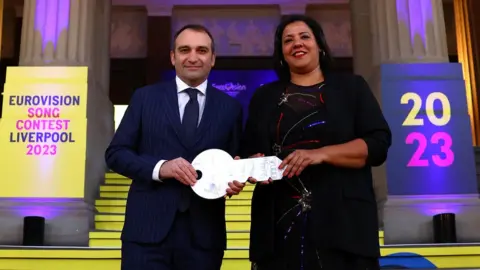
[298, 160]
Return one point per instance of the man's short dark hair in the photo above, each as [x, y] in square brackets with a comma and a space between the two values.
[194, 27]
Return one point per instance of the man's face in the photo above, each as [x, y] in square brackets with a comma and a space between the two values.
[192, 56]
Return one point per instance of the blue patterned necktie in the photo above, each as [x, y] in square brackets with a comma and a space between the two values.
[190, 115]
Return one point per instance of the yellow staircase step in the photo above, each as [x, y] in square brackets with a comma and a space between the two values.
[113, 195]
[105, 235]
[106, 239]
[125, 188]
[114, 243]
[231, 242]
[111, 202]
[110, 217]
[117, 179]
[118, 225]
[113, 181]
[84, 253]
[238, 202]
[117, 234]
[111, 209]
[230, 209]
[123, 202]
[235, 239]
[123, 195]
[239, 235]
[236, 264]
[230, 235]
[112, 175]
[114, 188]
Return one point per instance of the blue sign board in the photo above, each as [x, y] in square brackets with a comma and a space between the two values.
[426, 108]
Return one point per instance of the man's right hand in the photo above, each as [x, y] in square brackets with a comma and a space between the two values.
[179, 169]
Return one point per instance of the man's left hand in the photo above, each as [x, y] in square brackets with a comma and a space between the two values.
[235, 187]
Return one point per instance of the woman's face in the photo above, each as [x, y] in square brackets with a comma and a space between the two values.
[300, 48]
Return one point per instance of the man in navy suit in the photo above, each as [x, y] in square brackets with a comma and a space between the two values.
[165, 127]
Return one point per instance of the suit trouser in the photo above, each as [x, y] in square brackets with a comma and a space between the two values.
[176, 252]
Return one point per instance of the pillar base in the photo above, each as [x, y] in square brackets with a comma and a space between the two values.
[68, 221]
[408, 219]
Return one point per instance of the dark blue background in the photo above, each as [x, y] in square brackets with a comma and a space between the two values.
[251, 79]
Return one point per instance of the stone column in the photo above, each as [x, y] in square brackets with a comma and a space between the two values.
[361, 38]
[73, 33]
[396, 31]
[406, 31]
[363, 64]
[158, 45]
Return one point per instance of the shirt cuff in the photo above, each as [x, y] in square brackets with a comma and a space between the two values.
[156, 171]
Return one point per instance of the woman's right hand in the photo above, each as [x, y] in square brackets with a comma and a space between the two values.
[252, 180]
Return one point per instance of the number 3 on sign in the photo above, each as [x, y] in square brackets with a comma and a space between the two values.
[412, 120]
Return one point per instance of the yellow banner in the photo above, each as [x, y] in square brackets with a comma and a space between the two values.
[43, 132]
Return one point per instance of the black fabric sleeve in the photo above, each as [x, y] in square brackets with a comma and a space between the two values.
[370, 124]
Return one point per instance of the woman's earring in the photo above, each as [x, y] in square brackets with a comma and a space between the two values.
[281, 63]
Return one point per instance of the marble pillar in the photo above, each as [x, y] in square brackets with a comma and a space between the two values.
[408, 31]
[363, 64]
[70, 33]
[396, 31]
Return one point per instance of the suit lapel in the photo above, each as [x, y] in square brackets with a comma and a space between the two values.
[208, 112]
[173, 113]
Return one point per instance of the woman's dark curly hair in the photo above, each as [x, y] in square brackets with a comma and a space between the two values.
[280, 66]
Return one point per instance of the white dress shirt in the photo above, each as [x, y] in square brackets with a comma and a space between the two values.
[183, 99]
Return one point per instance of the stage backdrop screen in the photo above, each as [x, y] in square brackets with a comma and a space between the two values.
[240, 84]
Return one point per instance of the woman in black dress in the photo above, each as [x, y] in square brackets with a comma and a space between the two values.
[329, 130]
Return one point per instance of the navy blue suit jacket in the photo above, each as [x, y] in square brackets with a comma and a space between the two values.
[151, 131]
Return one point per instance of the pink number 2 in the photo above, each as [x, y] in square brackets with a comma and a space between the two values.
[417, 161]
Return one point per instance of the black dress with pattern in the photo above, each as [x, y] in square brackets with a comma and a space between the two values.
[301, 118]
[336, 227]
